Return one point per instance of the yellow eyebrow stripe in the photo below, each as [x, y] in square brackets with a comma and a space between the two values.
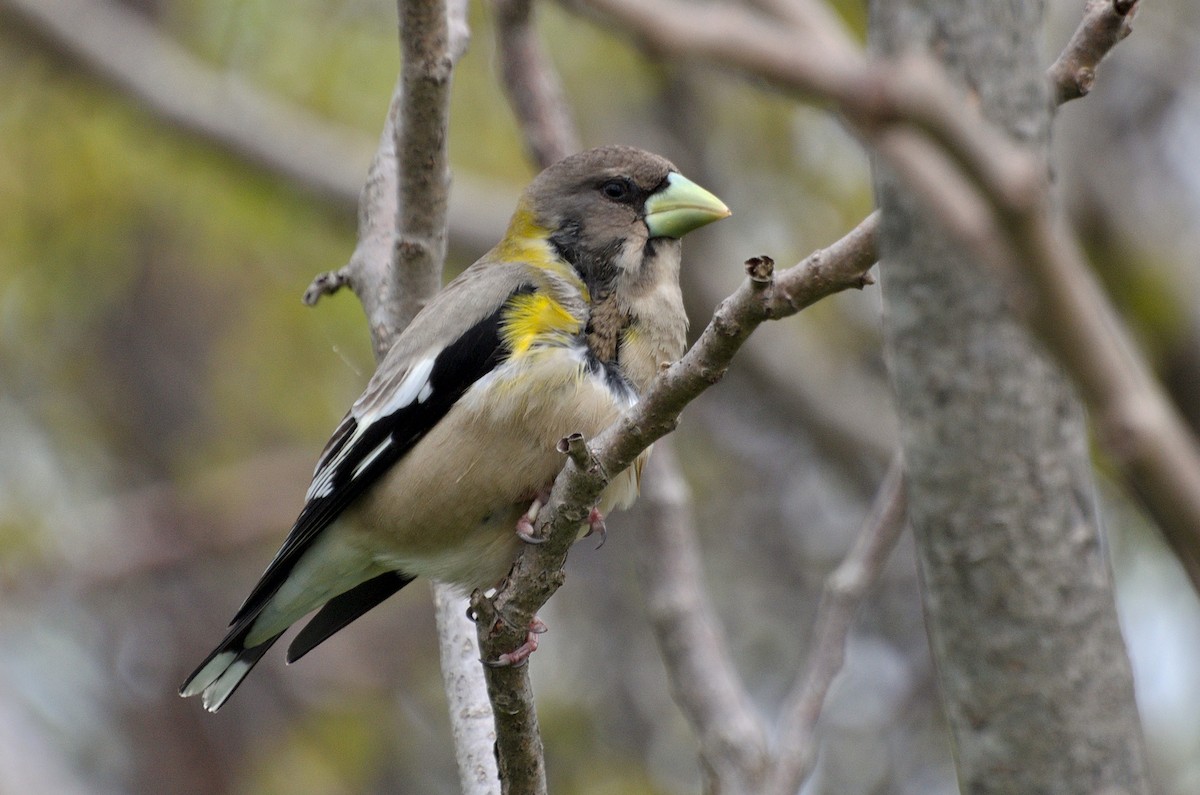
[534, 317]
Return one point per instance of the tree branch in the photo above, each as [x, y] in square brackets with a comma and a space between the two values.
[432, 39]
[532, 85]
[1105, 22]
[845, 589]
[502, 619]
[704, 681]
[846, 586]
[990, 194]
[395, 268]
[323, 158]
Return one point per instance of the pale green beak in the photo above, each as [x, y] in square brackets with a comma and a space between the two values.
[681, 207]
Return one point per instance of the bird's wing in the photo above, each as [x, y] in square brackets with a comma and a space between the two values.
[450, 345]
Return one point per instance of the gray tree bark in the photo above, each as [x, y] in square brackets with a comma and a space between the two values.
[1034, 677]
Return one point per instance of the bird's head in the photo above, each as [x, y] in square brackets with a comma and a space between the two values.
[609, 210]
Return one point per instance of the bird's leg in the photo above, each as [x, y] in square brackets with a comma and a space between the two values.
[596, 525]
[525, 523]
[520, 655]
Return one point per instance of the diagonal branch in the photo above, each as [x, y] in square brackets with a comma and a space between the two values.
[1105, 23]
[538, 571]
[876, 110]
[994, 197]
[532, 85]
[323, 158]
[704, 682]
[844, 591]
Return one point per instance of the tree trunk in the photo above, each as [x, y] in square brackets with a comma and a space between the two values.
[1017, 593]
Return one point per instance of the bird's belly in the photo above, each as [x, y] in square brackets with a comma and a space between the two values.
[451, 504]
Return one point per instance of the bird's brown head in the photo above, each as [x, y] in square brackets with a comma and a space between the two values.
[606, 210]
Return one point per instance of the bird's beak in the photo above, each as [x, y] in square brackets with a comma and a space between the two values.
[680, 207]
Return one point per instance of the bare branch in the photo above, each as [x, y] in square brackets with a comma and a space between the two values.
[396, 267]
[321, 157]
[533, 88]
[881, 106]
[471, 721]
[430, 52]
[844, 591]
[1105, 22]
[537, 572]
[705, 684]
[990, 194]
[519, 750]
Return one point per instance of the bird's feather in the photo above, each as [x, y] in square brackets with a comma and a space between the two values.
[367, 445]
[341, 610]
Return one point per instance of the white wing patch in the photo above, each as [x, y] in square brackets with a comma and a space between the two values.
[415, 387]
[408, 390]
[366, 462]
[322, 485]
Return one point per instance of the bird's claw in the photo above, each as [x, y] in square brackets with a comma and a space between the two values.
[525, 523]
[520, 655]
[525, 530]
[596, 526]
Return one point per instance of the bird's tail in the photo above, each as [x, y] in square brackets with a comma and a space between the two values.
[223, 670]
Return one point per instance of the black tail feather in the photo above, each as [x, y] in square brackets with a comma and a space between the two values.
[341, 610]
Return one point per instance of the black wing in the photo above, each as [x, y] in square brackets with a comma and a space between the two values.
[362, 449]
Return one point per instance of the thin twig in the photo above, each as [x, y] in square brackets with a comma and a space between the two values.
[532, 85]
[704, 681]
[845, 589]
[1105, 22]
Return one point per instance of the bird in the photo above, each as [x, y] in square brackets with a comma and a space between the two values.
[440, 466]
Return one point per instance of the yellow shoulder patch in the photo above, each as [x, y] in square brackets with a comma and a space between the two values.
[536, 317]
[525, 241]
[528, 242]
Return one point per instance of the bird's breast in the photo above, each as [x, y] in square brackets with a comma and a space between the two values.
[448, 509]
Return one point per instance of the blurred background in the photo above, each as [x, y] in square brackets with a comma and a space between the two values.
[164, 394]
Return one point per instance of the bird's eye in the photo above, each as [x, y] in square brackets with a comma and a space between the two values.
[617, 189]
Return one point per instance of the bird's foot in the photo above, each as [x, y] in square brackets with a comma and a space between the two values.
[525, 523]
[596, 526]
[520, 655]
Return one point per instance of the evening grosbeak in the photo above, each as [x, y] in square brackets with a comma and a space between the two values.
[556, 330]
